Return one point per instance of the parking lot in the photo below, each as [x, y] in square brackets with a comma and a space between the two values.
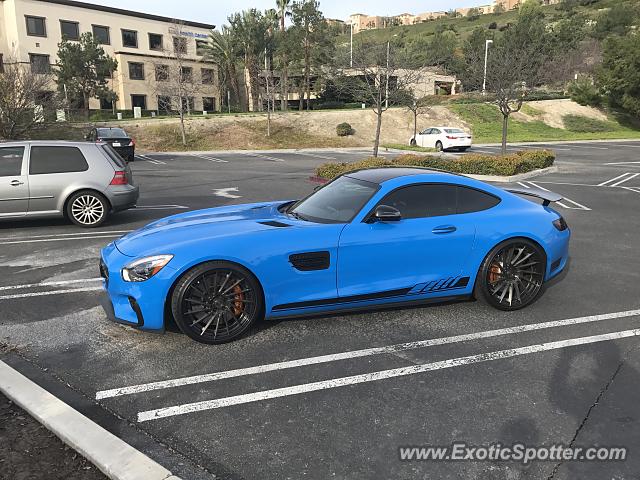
[335, 397]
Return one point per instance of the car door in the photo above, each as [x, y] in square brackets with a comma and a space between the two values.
[423, 137]
[436, 133]
[425, 252]
[14, 183]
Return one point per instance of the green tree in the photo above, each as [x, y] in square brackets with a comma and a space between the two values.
[619, 75]
[616, 21]
[284, 11]
[310, 33]
[221, 49]
[84, 69]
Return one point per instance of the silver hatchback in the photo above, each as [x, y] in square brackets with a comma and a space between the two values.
[85, 182]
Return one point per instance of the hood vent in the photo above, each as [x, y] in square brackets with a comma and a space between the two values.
[273, 223]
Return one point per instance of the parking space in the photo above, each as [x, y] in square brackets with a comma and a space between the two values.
[336, 397]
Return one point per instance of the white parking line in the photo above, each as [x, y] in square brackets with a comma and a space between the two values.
[53, 292]
[49, 284]
[624, 163]
[609, 182]
[266, 157]
[585, 146]
[578, 206]
[629, 146]
[55, 235]
[208, 157]
[323, 157]
[376, 376]
[161, 207]
[147, 387]
[625, 180]
[152, 160]
[632, 189]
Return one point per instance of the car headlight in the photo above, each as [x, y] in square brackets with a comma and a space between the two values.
[145, 268]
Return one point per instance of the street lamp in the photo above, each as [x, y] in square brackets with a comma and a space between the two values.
[486, 57]
[351, 64]
[386, 101]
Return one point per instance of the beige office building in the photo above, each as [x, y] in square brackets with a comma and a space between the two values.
[144, 45]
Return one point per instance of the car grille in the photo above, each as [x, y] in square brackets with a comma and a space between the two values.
[104, 271]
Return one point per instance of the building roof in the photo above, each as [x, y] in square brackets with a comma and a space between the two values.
[130, 13]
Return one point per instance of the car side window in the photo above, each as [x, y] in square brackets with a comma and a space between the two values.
[426, 132]
[422, 201]
[11, 161]
[470, 200]
[54, 159]
[435, 131]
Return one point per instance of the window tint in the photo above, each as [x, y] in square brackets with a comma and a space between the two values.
[112, 133]
[56, 160]
[155, 41]
[421, 201]
[453, 130]
[70, 30]
[470, 200]
[101, 34]
[435, 131]
[130, 38]
[36, 27]
[11, 161]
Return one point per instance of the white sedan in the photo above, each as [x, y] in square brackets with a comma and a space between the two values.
[442, 138]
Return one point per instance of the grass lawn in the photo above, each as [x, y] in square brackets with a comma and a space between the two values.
[400, 146]
[486, 123]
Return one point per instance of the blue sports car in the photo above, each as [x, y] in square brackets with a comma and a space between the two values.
[370, 238]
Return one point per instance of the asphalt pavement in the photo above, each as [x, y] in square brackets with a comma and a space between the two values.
[274, 406]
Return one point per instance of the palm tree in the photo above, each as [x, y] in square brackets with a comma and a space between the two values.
[284, 10]
[221, 49]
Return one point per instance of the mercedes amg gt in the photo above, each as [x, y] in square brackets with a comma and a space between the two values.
[373, 238]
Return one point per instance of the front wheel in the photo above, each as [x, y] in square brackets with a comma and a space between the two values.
[87, 209]
[216, 302]
[512, 275]
[413, 142]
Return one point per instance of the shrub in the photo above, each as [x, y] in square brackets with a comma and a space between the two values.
[578, 123]
[584, 92]
[493, 26]
[331, 105]
[471, 164]
[344, 130]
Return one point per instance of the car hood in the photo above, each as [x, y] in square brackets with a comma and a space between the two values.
[168, 234]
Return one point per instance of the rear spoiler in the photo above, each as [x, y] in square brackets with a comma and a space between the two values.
[546, 196]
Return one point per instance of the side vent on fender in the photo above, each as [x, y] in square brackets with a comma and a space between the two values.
[307, 262]
[273, 223]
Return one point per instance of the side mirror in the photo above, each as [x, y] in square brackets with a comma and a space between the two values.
[385, 213]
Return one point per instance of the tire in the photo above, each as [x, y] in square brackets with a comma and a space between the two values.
[511, 276]
[216, 292]
[439, 146]
[87, 209]
[413, 142]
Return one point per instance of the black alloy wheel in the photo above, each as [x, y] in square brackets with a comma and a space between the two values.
[216, 302]
[512, 275]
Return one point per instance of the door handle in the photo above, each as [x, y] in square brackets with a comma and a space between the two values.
[16, 183]
[444, 229]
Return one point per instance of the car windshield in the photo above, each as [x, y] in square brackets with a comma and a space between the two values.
[453, 130]
[112, 133]
[337, 202]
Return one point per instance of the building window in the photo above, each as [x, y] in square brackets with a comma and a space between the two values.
[162, 73]
[164, 105]
[208, 76]
[36, 26]
[155, 41]
[70, 30]
[129, 38]
[201, 47]
[101, 34]
[105, 104]
[209, 104]
[139, 101]
[39, 63]
[188, 104]
[103, 71]
[180, 45]
[136, 71]
[186, 74]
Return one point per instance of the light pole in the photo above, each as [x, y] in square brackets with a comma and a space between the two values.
[486, 57]
[351, 63]
[386, 100]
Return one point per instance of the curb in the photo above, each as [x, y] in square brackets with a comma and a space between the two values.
[281, 150]
[558, 142]
[115, 458]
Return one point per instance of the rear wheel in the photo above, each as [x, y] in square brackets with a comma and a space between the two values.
[439, 146]
[87, 209]
[216, 302]
[512, 275]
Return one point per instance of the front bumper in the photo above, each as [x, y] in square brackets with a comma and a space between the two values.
[136, 304]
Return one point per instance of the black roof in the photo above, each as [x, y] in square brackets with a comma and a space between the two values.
[130, 13]
[381, 175]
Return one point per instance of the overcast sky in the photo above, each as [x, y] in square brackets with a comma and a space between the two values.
[217, 11]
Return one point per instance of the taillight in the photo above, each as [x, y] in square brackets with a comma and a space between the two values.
[120, 178]
[132, 143]
[451, 137]
[560, 224]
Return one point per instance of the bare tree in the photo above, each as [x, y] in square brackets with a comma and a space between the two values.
[22, 91]
[380, 77]
[173, 77]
